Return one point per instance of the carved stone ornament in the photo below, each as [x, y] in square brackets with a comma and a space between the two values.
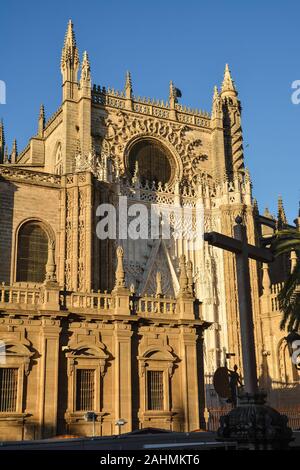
[181, 139]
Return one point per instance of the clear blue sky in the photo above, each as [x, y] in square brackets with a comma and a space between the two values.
[187, 41]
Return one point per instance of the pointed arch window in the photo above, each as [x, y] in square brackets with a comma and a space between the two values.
[58, 170]
[32, 253]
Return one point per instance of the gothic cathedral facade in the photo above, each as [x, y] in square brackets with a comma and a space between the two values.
[130, 329]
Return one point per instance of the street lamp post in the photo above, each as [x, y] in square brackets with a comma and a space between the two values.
[91, 416]
[120, 422]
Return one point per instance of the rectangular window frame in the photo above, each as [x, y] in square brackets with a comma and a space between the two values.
[76, 389]
[20, 384]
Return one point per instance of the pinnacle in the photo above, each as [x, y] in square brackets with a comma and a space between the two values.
[128, 85]
[70, 51]
[216, 93]
[128, 79]
[2, 138]
[228, 83]
[281, 212]
[70, 35]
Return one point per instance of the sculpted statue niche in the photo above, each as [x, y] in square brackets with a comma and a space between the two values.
[153, 160]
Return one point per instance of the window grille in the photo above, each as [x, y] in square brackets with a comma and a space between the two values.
[32, 253]
[155, 390]
[8, 389]
[85, 389]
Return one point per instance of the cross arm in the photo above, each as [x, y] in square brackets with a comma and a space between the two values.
[222, 241]
[260, 254]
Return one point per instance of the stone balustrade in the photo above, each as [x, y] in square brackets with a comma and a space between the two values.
[93, 300]
[20, 296]
[30, 297]
[149, 306]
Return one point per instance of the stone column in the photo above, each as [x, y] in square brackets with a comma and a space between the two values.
[48, 386]
[122, 376]
[189, 378]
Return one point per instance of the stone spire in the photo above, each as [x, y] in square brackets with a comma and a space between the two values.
[14, 153]
[281, 217]
[228, 87]
[69, 63]
[128, 91]
[41, 125]
[2, 142]
[233, 134]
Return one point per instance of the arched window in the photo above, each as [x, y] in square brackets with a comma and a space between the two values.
[32, 253]
[58, 161]
[154, 161]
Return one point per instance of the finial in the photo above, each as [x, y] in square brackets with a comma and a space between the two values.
[281, 217]
[183, 279]
[255, 206]
[158, 284]
[136, 173]
[2, 141]
[216, 106]
[85, 78]
[51, 266]
[189, 266]
[172, 95]
[14, 153]
[266, 283]
[6, 156]
[41, 125]
[120, 274]
[228, 87]
[128, 86]
[239, 220]
[267, 213]
[216, 93]
[294, 260]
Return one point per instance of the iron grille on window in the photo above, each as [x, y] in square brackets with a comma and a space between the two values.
[8, 389]
[155, 390]
[85, 389]
[32, 253]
